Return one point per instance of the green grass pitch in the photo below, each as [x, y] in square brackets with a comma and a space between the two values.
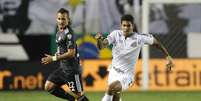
[96, 96]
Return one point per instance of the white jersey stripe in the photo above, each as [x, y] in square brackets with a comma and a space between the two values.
[78, 84]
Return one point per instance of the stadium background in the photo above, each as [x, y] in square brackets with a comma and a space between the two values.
[27, 31]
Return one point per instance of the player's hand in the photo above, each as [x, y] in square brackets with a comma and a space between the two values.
[47, 59]
[98, 35]
[170, 64]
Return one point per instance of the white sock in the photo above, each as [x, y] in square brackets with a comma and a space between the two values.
[107, 97]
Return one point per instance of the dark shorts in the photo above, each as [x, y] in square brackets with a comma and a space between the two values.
[61, 77]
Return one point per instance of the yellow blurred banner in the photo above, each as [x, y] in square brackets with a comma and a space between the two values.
[186, 75]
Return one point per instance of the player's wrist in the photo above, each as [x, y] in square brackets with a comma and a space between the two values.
[101, 38]
[54, 58]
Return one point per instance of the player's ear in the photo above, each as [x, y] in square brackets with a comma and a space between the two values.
[69, 21]
[135, 28]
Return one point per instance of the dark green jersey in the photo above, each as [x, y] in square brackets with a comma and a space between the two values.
[65, 40]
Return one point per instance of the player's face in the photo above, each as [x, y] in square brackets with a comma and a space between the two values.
[127, 27]
[62, 20]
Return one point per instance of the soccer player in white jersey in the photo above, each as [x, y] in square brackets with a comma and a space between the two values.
[126, 48]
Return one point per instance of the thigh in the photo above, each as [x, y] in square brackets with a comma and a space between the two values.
[69, 78]
[113, 76]
[74, 82]
[126, 79]
[56, 77]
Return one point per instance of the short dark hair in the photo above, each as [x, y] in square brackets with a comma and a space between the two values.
[63, 10]
[127, 17]
[130, 18]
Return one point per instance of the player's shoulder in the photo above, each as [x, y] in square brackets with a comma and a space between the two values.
[68, 33]
[143, 34]
[116, 31]
[68, 30]
[137, 35]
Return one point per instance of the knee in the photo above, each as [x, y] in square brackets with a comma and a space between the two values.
[78, 94]
[115, 87]
[49, 86]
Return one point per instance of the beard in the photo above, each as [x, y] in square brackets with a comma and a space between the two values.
[61, 27]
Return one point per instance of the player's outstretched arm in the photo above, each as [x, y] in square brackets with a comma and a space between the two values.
[49, 58]
[101, 41]
[160, 46]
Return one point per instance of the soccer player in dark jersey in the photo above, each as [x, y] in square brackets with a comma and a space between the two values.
[69, 72]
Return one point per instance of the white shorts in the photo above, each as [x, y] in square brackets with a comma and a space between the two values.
[126, 79]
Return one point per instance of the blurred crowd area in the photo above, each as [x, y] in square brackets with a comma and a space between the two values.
[27, 22]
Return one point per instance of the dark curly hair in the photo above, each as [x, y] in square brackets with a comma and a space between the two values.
[129, 18]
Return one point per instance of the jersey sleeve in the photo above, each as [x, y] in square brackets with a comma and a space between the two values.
[111, 37]
[147, 38]
[70, 42]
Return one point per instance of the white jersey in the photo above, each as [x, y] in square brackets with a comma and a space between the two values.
[125, 52]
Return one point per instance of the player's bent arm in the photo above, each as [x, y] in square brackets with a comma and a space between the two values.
[102, 43]
[69, 54]
[160, 46]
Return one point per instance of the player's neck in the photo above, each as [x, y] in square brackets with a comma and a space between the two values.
[128, 35]
[61, 29]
